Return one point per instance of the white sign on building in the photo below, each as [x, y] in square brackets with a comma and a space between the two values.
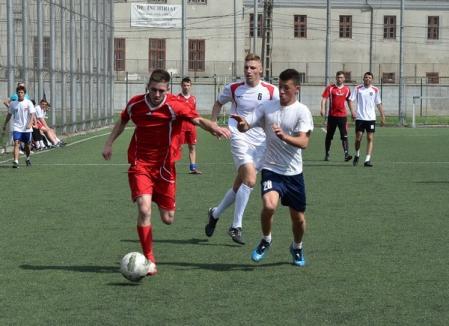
[159, 16]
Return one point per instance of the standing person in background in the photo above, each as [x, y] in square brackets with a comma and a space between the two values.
[188, 129]
[338, 95]
[23, 113]
[367, 98]
[248, 148]
[288, 125]
[153, 151]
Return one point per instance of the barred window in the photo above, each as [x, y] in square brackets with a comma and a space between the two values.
[46, 51]
[197, 54]
[389, 27]
[388, 77]
[259, 25]
[345, 27]
[300, 26]
[156, 54]
[197, 2]
[433, 27]
[432, 78]
[119, 54]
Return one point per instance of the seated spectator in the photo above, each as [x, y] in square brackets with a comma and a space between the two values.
[41, 124]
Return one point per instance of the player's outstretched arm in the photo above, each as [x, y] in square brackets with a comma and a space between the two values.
[301, 140]
[8, 117]
[216, 111]
[212, 127]
[242, 124]
[380, 107]
[116, 131]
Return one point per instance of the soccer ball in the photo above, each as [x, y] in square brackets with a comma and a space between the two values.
[134, 266]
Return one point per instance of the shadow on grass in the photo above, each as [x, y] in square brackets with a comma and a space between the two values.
[193, 241]
[432, 182]
[74, 268]
[221, 267]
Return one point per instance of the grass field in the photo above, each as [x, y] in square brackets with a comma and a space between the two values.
[377, 244]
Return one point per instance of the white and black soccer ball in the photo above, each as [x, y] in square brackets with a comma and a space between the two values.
[134, 266]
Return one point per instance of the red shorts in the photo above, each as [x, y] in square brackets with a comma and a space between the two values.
[189, 134]
[144, 180]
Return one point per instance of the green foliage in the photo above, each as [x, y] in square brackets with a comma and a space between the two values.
[376, 243]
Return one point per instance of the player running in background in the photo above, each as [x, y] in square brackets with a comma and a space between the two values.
[367, 98]
[153, 150]
[188, 129]
[288, 125]
[23, 113]
[338, 95]
[247, 148]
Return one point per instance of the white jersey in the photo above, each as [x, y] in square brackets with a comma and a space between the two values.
[366, 98]
[281, 157]
[21, 114]
[244, 100]
[39, 112]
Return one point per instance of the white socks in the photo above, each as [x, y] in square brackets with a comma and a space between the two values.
[368, 157]
[241, 199]
[227, 201]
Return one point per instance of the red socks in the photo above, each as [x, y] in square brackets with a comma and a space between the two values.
[146, 241]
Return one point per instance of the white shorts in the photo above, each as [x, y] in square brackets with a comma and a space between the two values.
[246, 149]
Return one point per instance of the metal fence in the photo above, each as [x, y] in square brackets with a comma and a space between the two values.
[63, 50]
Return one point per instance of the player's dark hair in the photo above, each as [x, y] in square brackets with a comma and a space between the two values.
[21, 88]
[369, 73]
[290, 74]
[186, 80]
[160, 76]
[33, 101]
[338, 73]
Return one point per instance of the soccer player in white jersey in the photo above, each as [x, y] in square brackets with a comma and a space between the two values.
[288, 125]
[367, 98]
[247, 148]
[23, 113]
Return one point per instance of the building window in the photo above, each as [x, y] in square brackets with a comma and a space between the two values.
[389, 27]
[156, 54]
[119, 54]
[197, 54]
[197, 2]
[302, 77]
[46, 51]
[388, 78]
[432, 78]
[348, 77]
[433, 27]
[300, 26]
[259, 25]
[157, 1]
[345, 26]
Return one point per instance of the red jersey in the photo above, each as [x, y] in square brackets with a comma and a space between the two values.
[155, 141]
[191, 100]
[337, 98]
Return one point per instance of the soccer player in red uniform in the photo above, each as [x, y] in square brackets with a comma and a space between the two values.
[338, 94]
[153, 151]
[188, 129]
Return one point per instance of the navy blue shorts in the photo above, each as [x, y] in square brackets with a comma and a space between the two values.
[291, 188]
[24, 137]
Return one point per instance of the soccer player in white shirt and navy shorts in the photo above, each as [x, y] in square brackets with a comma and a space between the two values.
[288, 125]
[22, 112]
[247, 148]
[367, 98]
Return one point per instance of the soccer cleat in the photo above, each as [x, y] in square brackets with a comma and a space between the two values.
[261, 250]
[195, 172]
[28, 162]
[326, 157]
[355, 161]
[210, 226]
[236, 235]
[368, 164]
[15, 165]
[152, 270]
[348, 157]
[298, 256]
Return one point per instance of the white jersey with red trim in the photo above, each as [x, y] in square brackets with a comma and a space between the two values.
[366, 99]
[244, 100]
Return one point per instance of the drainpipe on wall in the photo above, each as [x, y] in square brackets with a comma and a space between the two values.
[370, 34]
